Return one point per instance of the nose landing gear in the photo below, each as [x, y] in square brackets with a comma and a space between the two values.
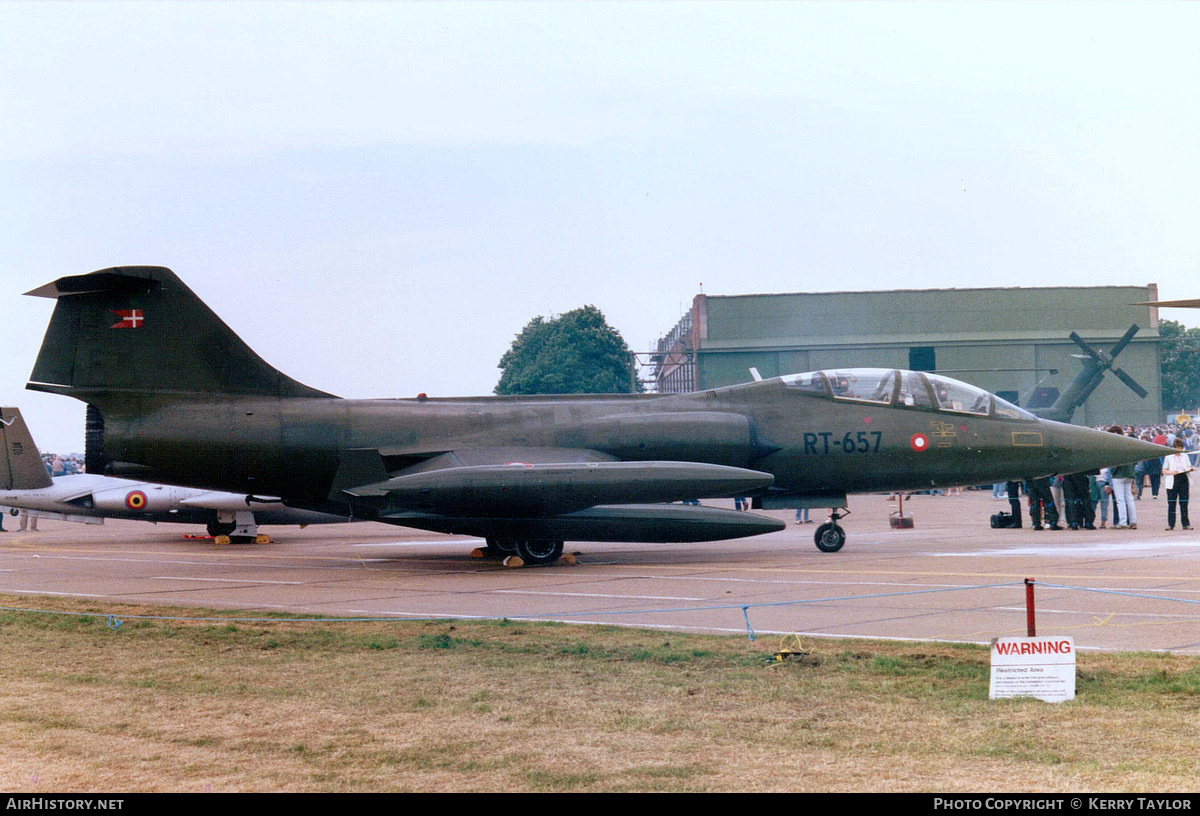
[830, 537]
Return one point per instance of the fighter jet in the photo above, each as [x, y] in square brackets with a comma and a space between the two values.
[175, 396]
[90, 498]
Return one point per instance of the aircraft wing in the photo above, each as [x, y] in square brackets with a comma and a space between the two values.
[553, 492]
[1187, 303]
[53, 515]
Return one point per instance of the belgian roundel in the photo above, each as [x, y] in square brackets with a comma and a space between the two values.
[919, 442]
[135, 500]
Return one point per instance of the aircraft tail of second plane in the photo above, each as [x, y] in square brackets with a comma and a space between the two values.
[21, 467]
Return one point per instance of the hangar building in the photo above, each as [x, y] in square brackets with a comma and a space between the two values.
[1012, 341]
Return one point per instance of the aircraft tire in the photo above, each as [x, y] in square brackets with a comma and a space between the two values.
[501, 546]
[537, 552]
[217, 528]
[829, 537]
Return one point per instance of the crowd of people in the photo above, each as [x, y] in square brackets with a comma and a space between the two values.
[62, 465]
[1076, 497]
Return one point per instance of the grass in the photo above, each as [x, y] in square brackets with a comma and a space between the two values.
[515, 706]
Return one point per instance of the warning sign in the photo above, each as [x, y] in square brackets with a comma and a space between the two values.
[1041, 667]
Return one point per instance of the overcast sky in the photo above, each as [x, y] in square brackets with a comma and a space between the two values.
[378, 196]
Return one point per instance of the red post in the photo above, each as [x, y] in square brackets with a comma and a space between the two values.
[1030, 623]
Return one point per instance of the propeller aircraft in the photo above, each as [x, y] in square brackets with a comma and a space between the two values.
[1094, 363]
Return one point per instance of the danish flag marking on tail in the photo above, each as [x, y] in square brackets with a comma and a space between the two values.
[130, 318]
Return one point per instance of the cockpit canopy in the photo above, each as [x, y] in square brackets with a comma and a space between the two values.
[904, 389]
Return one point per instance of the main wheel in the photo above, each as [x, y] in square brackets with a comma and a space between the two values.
[219, 528]
[501, 546]
[829, 537]
[536, 552]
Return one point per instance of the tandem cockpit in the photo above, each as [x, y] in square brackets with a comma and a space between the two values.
[896, 390]
[918, 390]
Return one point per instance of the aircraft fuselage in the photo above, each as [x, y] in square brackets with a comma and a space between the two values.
[809, 443]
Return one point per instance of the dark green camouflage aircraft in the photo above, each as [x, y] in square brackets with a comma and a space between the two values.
[175, 396]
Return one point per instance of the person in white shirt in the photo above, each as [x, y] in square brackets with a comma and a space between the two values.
[1176, 468]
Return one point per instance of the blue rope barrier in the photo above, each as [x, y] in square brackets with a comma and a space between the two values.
[749, 628]
[112, 619]
[1126, 593]
[114, 623]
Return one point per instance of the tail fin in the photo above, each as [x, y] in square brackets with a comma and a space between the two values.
[134, 331]
[21, 468]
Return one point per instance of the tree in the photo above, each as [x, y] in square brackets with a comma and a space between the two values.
[1180, 367]
[575, 353]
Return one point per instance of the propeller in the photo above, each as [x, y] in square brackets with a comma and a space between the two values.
[1103, 361]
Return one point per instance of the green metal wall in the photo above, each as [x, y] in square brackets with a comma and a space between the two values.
[993, 338]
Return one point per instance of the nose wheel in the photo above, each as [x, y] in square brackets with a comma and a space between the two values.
[830, 537]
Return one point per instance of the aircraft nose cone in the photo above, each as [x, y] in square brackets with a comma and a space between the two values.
[1074, 449]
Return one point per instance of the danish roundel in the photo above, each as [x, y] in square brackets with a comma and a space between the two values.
[919, 442]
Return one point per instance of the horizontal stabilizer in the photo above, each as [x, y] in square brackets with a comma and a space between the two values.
[531, 489]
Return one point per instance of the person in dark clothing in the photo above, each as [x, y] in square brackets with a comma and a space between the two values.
[1041, 503]
[1077, 498]
[1153, 469]
[1013, 488]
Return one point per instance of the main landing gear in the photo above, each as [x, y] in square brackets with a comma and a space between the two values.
[534, 552]
[240, 529]
[829, 536]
